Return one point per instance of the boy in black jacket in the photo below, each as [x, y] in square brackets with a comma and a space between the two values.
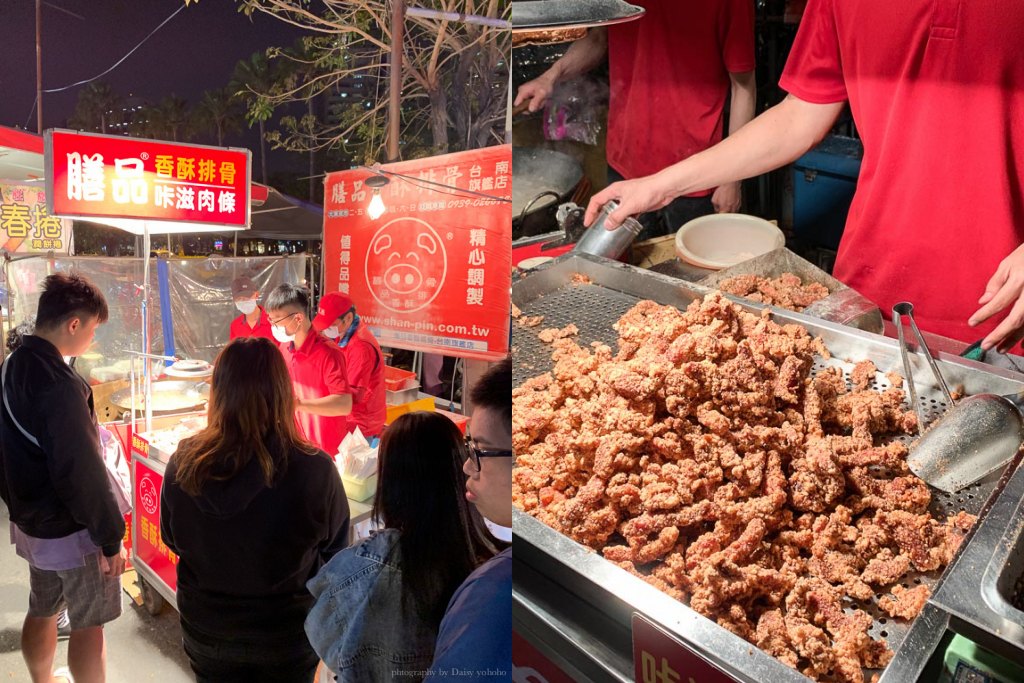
[66, 521]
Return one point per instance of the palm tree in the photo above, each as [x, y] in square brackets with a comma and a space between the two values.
[98, 106]
[253, 82]
[172, 114]
[219, 112]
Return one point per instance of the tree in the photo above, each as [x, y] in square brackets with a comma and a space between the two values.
[218, 112]
[454, 78]
[98, 106]
[253, 82]
[168, 120]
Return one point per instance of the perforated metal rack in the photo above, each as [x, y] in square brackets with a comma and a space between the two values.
[570, 598]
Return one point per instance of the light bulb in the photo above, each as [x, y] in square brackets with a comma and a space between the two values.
[376, 208]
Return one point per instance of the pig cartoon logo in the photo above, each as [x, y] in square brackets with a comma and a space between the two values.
[406, 265]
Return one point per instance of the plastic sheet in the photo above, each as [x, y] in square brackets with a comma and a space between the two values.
[199, 291]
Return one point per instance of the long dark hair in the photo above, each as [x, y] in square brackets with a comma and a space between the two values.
[421, 492]
[251, 415]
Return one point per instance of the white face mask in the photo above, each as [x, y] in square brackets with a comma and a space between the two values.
[246, 307]
[280, 335]
[332, 332]
[68, 359]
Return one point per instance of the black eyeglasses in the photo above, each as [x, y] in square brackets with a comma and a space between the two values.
[475, 452]
[274, 322]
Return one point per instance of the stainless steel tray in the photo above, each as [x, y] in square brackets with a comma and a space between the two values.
[593, 303]
[996, 555]
[842, 305]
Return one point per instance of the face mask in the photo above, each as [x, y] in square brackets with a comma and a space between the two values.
[68, 359]
[332, 332]
[280, 335]
[246, 307]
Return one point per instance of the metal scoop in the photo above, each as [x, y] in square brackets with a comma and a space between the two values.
[973, 438]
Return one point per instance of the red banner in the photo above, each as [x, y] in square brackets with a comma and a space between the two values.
[107, 176]
[433, 273]
[660, 657]
[149, 547]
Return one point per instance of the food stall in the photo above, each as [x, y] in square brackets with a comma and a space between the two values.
[580, 613]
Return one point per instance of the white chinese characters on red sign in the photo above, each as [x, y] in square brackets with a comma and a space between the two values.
[111, 177]
[434, 272]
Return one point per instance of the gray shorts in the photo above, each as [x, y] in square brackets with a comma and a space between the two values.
[92, 598]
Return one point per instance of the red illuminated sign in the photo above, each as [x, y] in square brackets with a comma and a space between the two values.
[149, 547]
[106, 176]
[660, 657]
[433, 273]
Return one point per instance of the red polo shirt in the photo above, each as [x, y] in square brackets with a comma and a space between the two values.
[669, 77]
[937, 91]
[364, 364]
[318, 370]
[240, 328]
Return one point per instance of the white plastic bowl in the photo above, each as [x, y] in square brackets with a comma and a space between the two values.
[721, 240]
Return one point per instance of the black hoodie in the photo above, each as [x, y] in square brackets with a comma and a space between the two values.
[246, 550]
[59, 487]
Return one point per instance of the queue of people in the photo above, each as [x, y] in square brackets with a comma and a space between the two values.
[254, 508]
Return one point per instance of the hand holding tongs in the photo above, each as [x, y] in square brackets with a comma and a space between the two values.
[905, 308]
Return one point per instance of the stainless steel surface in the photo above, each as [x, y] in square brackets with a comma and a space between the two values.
[534, 15]
[537, 172]
[173, 395]
[976, 437]
[978, 588]
[556, 293]
[600, 241]
[842, 305]
[916, 659]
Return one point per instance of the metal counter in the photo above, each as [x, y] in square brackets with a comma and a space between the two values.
[576, 607]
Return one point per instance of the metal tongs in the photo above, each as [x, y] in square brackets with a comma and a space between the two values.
[905, 308]
[972, 439]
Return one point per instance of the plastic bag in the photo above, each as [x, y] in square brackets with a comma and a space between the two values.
[356, 459]
[573, 112]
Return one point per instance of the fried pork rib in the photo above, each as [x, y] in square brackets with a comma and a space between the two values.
[786, 291]
[705, 459]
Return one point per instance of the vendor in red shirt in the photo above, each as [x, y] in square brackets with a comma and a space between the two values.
[669, 74]
[936, 88]
[254, 321]
[336, 319]
[323, 398]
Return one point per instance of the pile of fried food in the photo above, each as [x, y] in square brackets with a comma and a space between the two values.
[786, 291]
[704, 458]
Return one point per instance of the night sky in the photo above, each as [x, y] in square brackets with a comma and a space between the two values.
[195, 51]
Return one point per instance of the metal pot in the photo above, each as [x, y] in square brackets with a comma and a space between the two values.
[168, 397]
[541, 180]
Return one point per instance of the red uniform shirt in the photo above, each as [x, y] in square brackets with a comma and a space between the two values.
[318, 369]
[669, 77]
[937, 92]
[240, 328]
[364, 364]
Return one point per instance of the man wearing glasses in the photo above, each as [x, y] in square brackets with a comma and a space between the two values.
[475, 634]
[323, 398]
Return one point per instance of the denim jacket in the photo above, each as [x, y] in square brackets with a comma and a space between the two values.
[358, 624]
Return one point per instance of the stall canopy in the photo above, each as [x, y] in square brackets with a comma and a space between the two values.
[283, 217]
[21, 156]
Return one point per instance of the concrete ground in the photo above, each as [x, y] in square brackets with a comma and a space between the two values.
[140, 647]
